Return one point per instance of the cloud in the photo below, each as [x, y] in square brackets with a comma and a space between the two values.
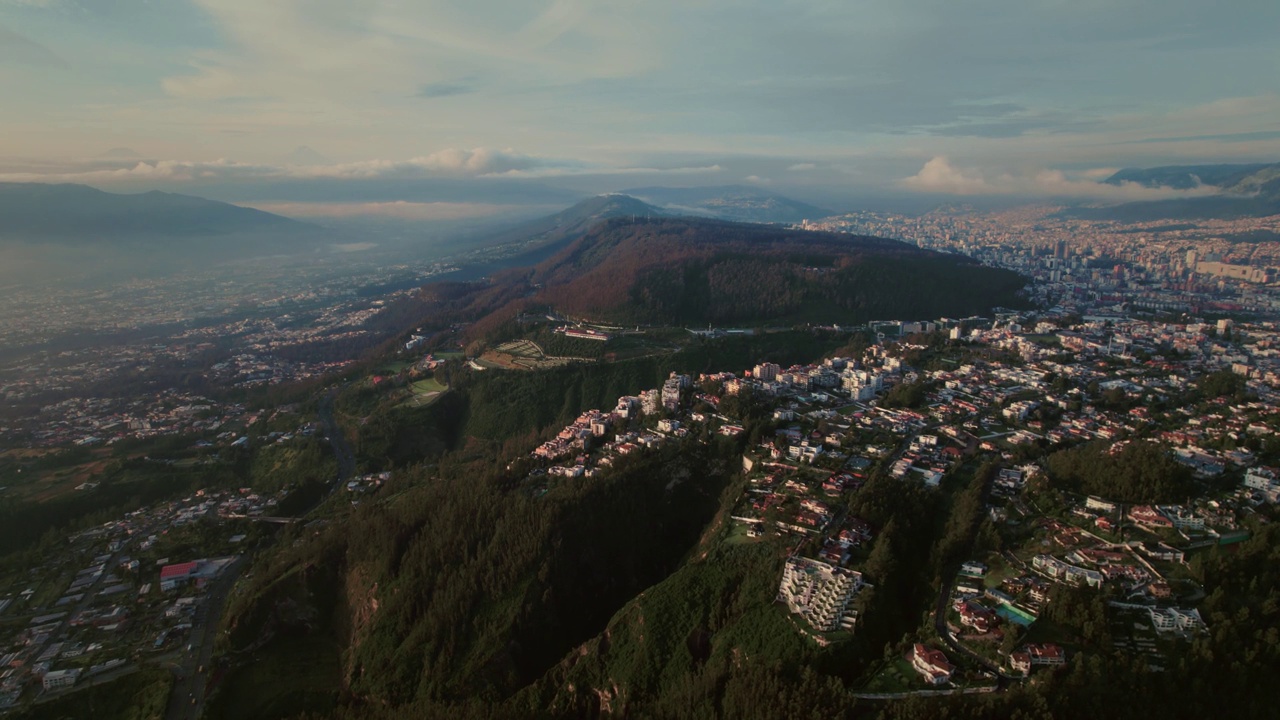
[600, 170]
[468, 163]
[175, 170]
[449, 163]
[757, 180]
[802, 167]
[445, 89]
[940, 176]
[397, 209]
[1240, 137]
[16, 49]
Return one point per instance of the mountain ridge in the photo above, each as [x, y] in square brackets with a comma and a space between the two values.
[742, 203]
[692, 271]
[68, 211]
[1247, 190]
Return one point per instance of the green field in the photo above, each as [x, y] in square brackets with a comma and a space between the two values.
[896, 676]
[425, 392]
[430, 385]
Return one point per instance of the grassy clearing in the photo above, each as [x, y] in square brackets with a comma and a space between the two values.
[391, 368]
[895, 676]
[737, 534]
[429, 385]
[425, 392]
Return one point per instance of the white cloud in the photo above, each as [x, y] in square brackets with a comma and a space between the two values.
[802, 167]
[397, 209]
[584, 169]
[452, 162]
[939, 176]
[169, 170]
[757, 180]
[471, 163]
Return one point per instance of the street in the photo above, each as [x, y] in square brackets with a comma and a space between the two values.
[193, 669]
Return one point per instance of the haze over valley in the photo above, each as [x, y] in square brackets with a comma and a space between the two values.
[558, 359]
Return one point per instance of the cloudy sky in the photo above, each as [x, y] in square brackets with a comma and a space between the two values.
[1023, 97]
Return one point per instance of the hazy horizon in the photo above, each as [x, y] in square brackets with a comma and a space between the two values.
[826, 102]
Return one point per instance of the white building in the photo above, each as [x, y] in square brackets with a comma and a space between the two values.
[820, 593]
[61, 678]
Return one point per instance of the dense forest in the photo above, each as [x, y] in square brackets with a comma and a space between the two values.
[467, 586]
[1138, 472]
[684, 271]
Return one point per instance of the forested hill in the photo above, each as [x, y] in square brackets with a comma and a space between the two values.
[693, 271]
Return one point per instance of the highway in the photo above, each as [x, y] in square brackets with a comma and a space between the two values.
[193, 669]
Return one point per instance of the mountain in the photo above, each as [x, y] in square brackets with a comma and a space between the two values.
[1251, 190]
[687, 271]
[304, 155]
[81, 214]
[533, 241]
[122, 153]
[729, 202]
[1185, 177]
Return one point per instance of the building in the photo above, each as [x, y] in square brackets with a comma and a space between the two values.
[820, 593]
[1058, 570]
[61, 678]
[1260, 479]
[1176, 620]
[172, 576]
[585, 334]
[977, 617]
[1046, 654]
[931, 664]
[672, 388]
[1098, 504]
[766, 372]
[650, 401]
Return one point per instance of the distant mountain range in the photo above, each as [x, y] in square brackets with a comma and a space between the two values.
[729, 202]
[1251, 190]
[68, 213]
[1186, 177]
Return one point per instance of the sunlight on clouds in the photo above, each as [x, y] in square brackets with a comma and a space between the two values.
[940, 176]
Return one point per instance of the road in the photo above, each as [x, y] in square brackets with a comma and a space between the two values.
[193, 669]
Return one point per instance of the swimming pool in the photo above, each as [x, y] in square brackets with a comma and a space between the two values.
[1013, 614]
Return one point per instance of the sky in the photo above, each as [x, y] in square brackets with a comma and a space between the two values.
[815, 98]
